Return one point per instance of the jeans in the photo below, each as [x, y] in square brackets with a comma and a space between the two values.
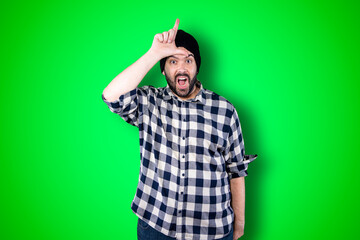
[145, 232]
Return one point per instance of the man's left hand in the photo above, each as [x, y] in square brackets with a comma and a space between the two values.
[238, 230]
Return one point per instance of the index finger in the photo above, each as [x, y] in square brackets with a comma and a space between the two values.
[176, 25]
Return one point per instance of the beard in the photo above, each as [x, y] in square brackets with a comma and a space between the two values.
[181, 92]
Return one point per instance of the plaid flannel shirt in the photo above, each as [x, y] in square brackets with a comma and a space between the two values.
[190, 149]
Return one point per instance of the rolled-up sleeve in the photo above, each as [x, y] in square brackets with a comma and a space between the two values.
[127, 106]
[236, 160]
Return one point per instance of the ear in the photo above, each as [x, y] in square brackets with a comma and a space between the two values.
[163, 73]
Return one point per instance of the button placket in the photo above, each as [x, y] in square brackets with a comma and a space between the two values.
[182, 160]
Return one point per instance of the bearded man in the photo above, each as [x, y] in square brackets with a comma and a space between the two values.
[193, 162]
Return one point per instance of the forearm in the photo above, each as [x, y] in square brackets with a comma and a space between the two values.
[163, 45]
[130, 78]
[237, 188]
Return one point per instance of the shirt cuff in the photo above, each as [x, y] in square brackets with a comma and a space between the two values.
[240, 169]
[124, 100]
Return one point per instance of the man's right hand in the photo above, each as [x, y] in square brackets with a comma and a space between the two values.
[162, 46]
[164, 43]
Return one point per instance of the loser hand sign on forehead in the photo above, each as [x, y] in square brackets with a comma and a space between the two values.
[164, 43]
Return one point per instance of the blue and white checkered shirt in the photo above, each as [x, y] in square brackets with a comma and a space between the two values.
[190, 149]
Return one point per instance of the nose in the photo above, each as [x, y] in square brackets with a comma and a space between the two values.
[182, 67]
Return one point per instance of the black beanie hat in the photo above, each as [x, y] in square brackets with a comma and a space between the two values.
[184, 39]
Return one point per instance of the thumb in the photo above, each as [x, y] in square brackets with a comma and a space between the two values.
[180, 51]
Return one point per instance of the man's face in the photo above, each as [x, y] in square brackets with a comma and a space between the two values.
[180, 72]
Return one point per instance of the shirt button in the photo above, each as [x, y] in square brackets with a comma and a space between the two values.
[183, 156]
[183, 174]
[183, 138]
[182, 193]
[184, 119]
[179, 211]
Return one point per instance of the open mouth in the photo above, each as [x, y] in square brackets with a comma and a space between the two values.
[183, 81]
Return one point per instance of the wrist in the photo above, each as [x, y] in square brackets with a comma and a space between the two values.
[153, 54]
[239, 220]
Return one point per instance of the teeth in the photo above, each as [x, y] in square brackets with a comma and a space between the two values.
[182, 78]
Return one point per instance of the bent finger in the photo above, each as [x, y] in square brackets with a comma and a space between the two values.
[171, 35]
[159, 37]
[166, 36]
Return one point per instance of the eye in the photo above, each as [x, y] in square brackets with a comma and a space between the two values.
[172, 61]
[188, 61]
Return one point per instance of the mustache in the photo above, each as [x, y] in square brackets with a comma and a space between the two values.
[182, 75]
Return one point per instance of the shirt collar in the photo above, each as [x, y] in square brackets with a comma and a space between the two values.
[200, 97]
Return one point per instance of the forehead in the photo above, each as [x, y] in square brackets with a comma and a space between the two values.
[180, 57]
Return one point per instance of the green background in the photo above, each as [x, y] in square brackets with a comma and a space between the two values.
[69, 167]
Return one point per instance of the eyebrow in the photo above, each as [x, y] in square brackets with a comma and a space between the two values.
[190, 55]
